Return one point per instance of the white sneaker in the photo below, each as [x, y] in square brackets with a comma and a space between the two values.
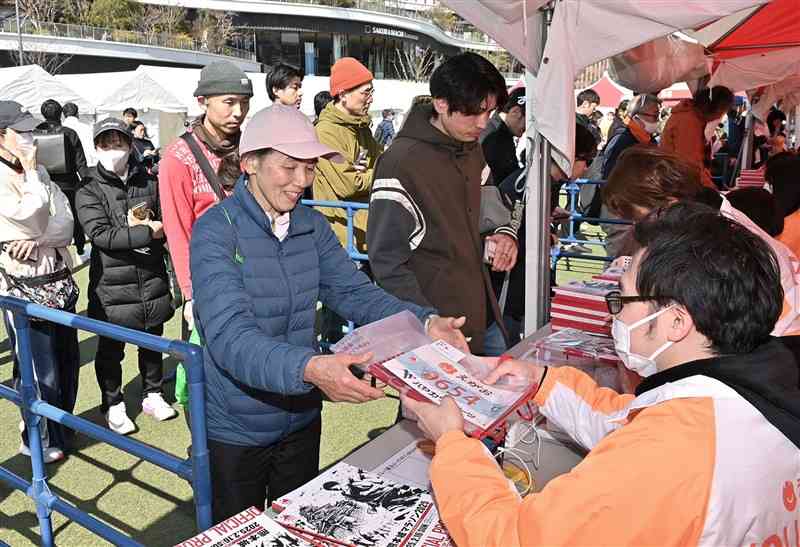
[154, 405]
[51, 453]
[118, 420]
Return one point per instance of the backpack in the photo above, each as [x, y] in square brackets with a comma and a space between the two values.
[379, 133]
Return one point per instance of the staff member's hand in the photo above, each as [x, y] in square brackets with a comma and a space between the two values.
[331, 373]
[505, 252]
[448, 329]
[435, 420]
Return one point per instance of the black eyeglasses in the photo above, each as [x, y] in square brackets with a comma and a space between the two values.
[615, 301]
[588, 158]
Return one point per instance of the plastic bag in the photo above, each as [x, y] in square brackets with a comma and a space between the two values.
[181, 380]
[658, 64]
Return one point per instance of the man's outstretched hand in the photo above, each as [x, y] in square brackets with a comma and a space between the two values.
[448, 329]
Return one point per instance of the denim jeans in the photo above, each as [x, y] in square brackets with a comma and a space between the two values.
[494, 343]
[56, 365]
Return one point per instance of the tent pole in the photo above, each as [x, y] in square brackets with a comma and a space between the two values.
[19, 34]
[747, 141]
[537, 213]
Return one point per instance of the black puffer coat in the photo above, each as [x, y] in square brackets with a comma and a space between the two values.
[128, 283]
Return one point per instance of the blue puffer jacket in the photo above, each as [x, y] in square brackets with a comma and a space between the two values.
[255, 303]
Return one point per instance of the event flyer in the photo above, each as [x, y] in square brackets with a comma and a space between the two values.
[434, 372]
[362, 509]
[251, 528]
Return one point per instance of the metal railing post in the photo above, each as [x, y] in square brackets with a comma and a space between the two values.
[201, 467]
[30, 396]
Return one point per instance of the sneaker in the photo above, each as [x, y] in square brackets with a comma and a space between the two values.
[51, 453]
[154, 405]
[118, 420]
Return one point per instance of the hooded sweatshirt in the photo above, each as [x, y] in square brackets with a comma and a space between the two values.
[684, 136]
[707, 453]
[423, 237]
[350, 136]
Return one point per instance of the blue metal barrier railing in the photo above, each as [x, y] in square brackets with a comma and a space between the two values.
[351, 207]
[196, 469]
[572, 189]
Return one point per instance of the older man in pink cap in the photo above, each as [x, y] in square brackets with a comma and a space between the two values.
[260, 262]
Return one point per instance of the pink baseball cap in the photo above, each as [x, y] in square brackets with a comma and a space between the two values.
[286, 130]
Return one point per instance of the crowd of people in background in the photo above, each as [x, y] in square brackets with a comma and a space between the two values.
[211, 225]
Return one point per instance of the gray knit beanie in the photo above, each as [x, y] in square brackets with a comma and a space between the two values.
[223, 78]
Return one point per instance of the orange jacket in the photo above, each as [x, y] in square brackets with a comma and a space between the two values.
[684, 136]
[690, 462]
[791, 232]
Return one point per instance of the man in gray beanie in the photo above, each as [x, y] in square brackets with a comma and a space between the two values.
[201, 167]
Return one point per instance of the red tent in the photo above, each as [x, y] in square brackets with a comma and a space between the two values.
[767, 28]
[611, 93]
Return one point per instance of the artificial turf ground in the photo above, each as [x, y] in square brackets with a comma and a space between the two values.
[143, 501]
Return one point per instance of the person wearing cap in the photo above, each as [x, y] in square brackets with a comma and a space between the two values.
[344, 125]
[36, 226]
[128, 284]
[223, 93]
[260, 263]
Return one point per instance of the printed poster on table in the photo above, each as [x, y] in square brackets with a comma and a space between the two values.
[355, 507]
[251, 527]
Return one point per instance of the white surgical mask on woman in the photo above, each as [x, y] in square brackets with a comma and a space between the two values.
[650, 127]
[113, 160]
[641, 365]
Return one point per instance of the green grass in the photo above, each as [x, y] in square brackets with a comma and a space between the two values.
[143, 501]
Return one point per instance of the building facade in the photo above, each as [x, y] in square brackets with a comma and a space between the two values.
[391, 37]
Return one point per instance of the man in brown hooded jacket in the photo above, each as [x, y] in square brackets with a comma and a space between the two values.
[423, 238]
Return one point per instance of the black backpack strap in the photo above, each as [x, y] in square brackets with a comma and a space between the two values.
[205, 166]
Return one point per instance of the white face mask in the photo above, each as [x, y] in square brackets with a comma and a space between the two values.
[650, 127]
[643, 366]
[115, 161]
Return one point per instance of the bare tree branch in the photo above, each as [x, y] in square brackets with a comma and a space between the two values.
[50, 62]
[40, 11]
[416, 65]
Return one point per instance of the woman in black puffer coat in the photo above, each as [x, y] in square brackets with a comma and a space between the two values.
[128, 283]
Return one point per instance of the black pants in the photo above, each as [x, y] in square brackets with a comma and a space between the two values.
[108, 368]
[77, 230]
[56, 365]
[243, 476]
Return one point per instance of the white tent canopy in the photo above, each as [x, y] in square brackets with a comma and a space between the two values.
[31, 85]
[582, 32]
[752, 71]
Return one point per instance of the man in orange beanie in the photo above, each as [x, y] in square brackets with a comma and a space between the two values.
[344, 125]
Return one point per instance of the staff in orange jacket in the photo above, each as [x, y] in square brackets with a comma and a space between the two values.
[706, 452]
[684, 134]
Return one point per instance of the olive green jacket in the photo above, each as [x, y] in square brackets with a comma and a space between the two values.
[348, 135]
